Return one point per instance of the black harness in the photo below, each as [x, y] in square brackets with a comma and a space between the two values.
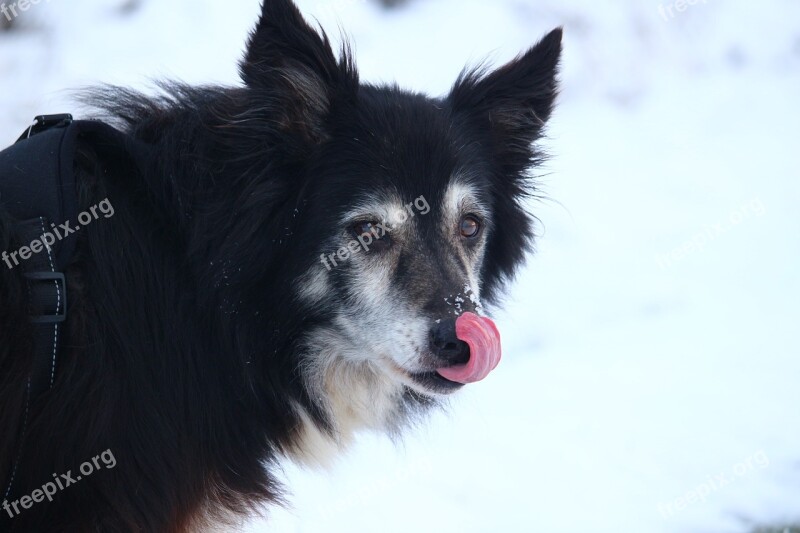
[38, 190]
[37, 187]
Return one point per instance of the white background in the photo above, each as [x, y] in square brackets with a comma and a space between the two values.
[630, 378]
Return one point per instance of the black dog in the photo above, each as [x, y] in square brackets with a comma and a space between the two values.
[297, 258]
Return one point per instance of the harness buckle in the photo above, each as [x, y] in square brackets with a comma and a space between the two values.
[45, 122]
[61, 292]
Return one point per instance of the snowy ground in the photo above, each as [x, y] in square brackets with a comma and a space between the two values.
[651, 354]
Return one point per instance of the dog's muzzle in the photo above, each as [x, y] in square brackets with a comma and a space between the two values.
[445, 345]
[468, 347]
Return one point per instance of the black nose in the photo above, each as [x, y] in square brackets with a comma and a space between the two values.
[446, 346]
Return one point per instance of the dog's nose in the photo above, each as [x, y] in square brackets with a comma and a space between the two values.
[446, 345]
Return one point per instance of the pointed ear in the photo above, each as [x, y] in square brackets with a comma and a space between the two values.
[294, 66]
[514, 101]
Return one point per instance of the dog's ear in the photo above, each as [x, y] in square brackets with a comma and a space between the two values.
[510, 106]
[514, 101]
[295, 68]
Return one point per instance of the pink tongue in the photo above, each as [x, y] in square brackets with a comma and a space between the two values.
[483, 339]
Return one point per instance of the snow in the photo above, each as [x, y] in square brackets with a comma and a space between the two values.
[651, 362]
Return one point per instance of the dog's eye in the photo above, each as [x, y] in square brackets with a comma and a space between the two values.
[371, 234]
[470, 226]
[365, 228]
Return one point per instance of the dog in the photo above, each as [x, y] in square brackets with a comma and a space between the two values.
[300, 257]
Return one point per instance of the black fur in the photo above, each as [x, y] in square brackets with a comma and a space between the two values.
[183, 328]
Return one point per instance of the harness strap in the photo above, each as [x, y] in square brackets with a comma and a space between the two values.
[37, 186]
[38, 189]
[47, 304]
[37, 178]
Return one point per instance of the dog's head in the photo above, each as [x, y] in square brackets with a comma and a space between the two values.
[409, 211]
